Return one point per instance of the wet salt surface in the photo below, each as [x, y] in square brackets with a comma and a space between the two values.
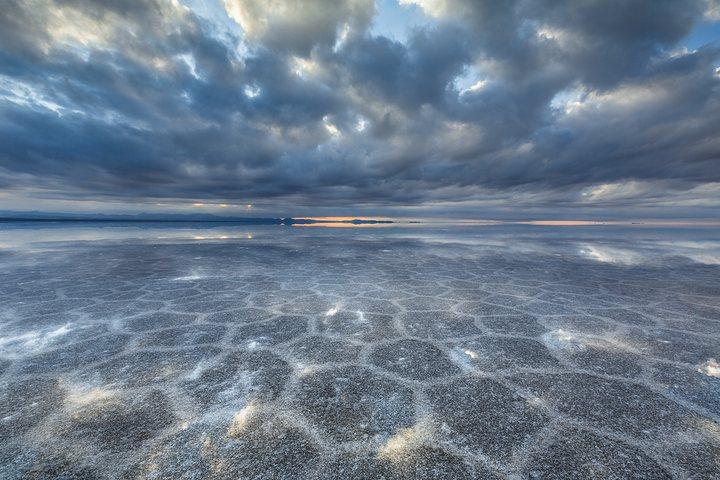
[485, 352]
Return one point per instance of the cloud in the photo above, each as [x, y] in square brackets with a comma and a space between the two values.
[494, 104]
[298, 25]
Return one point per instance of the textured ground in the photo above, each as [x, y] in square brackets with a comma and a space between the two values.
[313, 354]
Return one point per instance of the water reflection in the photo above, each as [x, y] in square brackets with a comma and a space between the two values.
[607, 254]
[422, 335]
[628, 245]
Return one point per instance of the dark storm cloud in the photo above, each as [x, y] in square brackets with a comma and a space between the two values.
[541, 103]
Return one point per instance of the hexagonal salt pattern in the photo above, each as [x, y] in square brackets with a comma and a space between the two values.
[351, 356]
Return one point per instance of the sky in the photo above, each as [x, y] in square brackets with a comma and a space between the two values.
[595, 109]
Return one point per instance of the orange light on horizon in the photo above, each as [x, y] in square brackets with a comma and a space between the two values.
[341, 219]
[567, 223]
[338, 224]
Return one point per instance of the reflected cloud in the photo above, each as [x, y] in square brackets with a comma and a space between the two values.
[190, 277]
[470, 354]
[561, 339]
[464, 357]
[570, 341]
[81, 395]
[201, 367]
[305, 370]
[14, 345]
[711, 368]
[623, 245]
[405, 441]
[242, 419]
[707, 253]
[611, 255]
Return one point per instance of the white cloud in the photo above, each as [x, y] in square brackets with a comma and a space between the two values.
[251, 91]
[330, 127]
[434, 8]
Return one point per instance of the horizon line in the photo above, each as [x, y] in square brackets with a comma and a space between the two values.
[342, 221]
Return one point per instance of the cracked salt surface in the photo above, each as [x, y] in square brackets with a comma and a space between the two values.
[484, 352]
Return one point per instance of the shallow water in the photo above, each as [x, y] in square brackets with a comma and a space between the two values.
[197, 351]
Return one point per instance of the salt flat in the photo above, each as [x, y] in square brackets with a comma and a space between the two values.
[396, 352]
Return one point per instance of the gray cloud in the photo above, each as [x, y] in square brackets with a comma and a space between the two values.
[547, 104]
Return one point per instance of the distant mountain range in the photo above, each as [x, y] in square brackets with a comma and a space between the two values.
[12, 216]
